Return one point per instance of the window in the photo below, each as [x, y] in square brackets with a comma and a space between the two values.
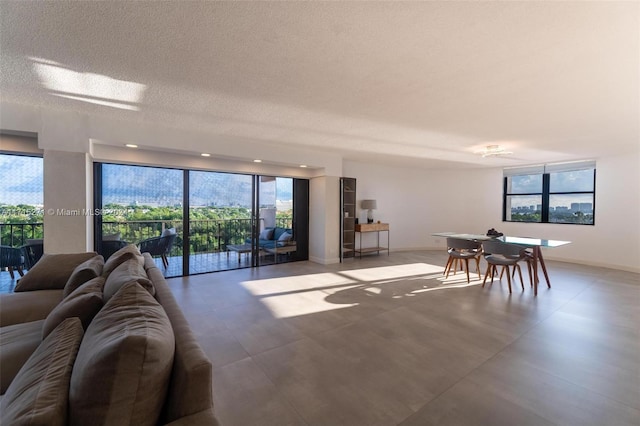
[21, 199]
[551, 193]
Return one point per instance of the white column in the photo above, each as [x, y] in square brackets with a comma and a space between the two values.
[68, 225]
[324, 220]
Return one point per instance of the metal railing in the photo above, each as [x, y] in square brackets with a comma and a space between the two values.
[205, 235]
[17, 234]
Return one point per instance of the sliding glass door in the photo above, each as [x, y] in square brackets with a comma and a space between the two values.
[230, 220]
[220, 221]
[142, 206]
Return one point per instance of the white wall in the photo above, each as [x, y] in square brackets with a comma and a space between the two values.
[417, 203]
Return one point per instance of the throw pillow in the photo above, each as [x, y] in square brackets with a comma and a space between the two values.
[125, 253]
[285, 237]
[130, 270]
[39, 393]
[84, 272]
[84, 303]
[168, 231]
[266, 234]
[122, 372]
[52, 271]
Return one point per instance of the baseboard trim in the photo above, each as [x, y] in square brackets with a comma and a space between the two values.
[323, 261]
[546, 256]
[596, 264]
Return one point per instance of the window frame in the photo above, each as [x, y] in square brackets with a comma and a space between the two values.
[546, 171]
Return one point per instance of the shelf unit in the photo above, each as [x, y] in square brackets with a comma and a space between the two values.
[364, 228]
[347, 217]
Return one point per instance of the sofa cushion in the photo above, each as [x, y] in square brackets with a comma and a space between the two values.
[123, 367]
[52, 271]
[84, 303]
[125, 253]
[84, 272]
[128, 271]
[16, 308]
[18, 343]
[39, 393]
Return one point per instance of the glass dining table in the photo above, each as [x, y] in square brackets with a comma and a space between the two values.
[535, 244]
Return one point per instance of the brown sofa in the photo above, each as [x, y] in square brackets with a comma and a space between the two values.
[29, 327]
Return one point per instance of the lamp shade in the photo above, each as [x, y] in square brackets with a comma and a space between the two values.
[368, 204]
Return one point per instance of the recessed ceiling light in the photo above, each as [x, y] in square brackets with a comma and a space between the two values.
[257, 161]
[204, 154]
[303, 166]
[130, 145]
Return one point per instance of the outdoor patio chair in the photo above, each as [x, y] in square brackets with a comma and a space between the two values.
[111, 246]
[159, 246]
[32, 253]
[11, 258]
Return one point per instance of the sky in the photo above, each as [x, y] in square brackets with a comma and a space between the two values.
[21, 180]
[164, 187]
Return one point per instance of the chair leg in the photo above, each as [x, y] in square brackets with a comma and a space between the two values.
[450, 265]
[466, 264]
[519, 273]
[508, 276]
[10, 268]
[478, 267]
[486, 274]
[447, 267]
[19, 268]
[165, 261]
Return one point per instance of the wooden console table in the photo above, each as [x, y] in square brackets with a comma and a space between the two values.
[362, 228]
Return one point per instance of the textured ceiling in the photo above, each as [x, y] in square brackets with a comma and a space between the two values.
[415, 83]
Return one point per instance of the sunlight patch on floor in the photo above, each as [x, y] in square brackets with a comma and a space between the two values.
[296, 304]
[313, 293]
[296, 283]
[393, 272]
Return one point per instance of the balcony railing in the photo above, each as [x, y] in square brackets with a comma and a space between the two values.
[205, 235]
[17, 234]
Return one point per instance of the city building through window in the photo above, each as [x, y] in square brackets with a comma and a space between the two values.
[550, 193]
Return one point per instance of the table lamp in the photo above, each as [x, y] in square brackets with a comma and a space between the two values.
[369, 205]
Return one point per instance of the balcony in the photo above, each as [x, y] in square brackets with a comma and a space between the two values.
[208, 241]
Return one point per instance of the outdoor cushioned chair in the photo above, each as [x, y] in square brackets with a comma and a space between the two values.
[10, 258]
[32, 251]
[160, 246]
[111, 246]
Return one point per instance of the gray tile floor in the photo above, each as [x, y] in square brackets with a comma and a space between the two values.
[387, 341]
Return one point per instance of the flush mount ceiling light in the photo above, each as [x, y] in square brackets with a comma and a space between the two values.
[257, 161]
[204, 154]
[130, 145]
[493, 151]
